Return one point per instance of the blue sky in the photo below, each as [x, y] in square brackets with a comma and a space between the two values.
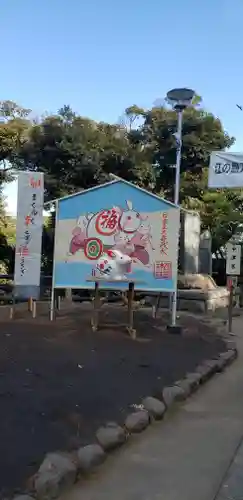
[101, 56]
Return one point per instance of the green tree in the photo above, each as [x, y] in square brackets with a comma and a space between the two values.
[65, 150]
[14, 124]
[201, 134]
[221, 210]
[9, 110]
[6, 239]
[13, 128]
[77, 153]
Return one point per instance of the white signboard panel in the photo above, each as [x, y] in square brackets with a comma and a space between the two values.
[29, 228]
[225, 170]
[233, 259]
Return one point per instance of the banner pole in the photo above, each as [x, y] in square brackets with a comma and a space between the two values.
[52, 305]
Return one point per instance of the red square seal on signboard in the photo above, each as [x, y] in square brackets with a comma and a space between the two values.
[163, 270]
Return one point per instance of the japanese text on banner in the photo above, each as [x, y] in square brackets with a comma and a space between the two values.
[29, 228]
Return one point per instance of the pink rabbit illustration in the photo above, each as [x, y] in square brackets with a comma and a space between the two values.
[145, 232]
[130, 219]
[122, 243]
[141, 240]
[78, 235]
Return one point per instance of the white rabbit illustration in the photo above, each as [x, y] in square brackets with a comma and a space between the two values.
[114, 265]
[130, 219]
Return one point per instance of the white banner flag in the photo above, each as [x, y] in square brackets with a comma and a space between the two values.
[29, 228]
[225, 170]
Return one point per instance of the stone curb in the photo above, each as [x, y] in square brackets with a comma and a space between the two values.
[59, 471]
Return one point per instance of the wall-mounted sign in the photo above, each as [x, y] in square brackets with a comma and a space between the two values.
[233, 259]
[117, 216]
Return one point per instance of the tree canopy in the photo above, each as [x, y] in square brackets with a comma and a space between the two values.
[75, 152]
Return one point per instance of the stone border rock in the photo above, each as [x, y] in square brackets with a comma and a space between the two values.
[59, 471]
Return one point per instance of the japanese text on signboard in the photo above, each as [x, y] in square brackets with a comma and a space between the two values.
[163, 270]
[107, 222]
[228, 168]
[164, 231]
[233, 261]
[29, 220]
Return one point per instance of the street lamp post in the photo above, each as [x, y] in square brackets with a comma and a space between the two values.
[180, 99]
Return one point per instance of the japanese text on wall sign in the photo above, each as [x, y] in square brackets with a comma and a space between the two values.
[29, 220]
[107, 222]
[163, 237]
[163, 270]
[233, 257]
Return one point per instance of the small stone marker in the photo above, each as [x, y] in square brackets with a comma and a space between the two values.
[137, 421]
[56, 474]
[110, 436]
[171, 394]
[194, 380]
[90, 456]
[155, 407]
[185, 386]
[204, 372]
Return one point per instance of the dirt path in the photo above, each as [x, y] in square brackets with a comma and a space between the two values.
[60, 381]
[195, 454]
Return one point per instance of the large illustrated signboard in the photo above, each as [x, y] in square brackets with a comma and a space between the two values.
[116, 215]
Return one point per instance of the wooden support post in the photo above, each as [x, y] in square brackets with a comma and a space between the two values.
[52, 304]
[230, 309]
[96, 305]
[155, 307]
[11, 312]
[69, 296]
[12, 309]
[34, 309]
[30, 304]
[131, 330]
